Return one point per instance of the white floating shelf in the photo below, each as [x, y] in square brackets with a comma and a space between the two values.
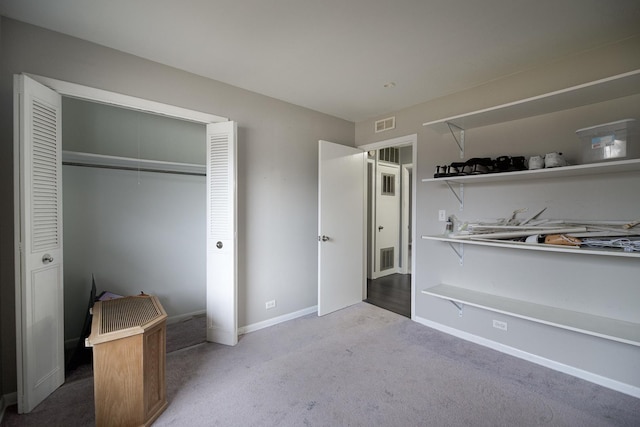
[603, 327]
[606, 89]
[535, 247]
[115, 162]
[591, 169]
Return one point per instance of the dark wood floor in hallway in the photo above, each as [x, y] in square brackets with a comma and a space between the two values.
[391, 292]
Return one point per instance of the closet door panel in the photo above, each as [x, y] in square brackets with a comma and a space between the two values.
[222, 289]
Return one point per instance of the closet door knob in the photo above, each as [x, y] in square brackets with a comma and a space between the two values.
[46, 259]
[219, 245]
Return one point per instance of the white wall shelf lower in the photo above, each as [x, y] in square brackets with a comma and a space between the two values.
[535, 247]
[603, 327]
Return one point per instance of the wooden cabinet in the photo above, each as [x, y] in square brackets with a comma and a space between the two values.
[128, 336]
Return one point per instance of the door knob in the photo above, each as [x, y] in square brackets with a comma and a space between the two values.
[380, 228]
[323, 238]
[219, 245]
[46, 258]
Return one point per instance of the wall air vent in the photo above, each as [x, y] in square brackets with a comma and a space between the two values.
[386, 258]
[385, 124]
[388, 182]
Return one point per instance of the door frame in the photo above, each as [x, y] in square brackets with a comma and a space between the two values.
[88, 93]
[407, 140]
[119, 100]
[370, 224]
[407, 170]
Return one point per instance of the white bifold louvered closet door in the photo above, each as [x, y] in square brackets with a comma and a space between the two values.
[222, 293]
[38, 238]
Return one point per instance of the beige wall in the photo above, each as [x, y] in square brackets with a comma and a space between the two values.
[277, 166]
[578, 69]
[278, 163]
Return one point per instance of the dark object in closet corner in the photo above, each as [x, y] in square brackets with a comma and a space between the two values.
[82, 354]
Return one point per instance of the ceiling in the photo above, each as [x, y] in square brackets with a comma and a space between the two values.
[336, 56]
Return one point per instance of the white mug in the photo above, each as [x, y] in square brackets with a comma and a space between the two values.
[553, 160]
[536, 162]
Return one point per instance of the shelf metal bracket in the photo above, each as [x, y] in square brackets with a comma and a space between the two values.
[459, 306]
[459, 251]
[459, 194]
[459, 141]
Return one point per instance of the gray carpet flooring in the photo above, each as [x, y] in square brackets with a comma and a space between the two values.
[361, 366]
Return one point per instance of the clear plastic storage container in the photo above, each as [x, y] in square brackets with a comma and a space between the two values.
[610, 141]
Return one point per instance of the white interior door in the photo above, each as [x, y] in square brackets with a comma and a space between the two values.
[222, 287]
[341, 214]
[38, 239]
[387, 230]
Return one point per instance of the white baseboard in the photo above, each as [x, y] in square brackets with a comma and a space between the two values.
[72, 342]
[548, 363]
[6, 401]
[181, 317]
[270, 322]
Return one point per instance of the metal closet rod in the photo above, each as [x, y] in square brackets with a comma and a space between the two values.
[127, 168]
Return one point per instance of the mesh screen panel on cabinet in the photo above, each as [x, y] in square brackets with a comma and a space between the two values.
[129, 312]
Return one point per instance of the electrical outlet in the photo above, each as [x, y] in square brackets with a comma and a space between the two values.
[442, 215]
[270, 304]
[500, 325]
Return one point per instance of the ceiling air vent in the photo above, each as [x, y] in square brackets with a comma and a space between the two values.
[386, 124]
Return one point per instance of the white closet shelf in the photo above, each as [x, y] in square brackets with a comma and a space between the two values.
[603, 327]
[591, 169]
[115, 162]
[535, 247]
[606, 89]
